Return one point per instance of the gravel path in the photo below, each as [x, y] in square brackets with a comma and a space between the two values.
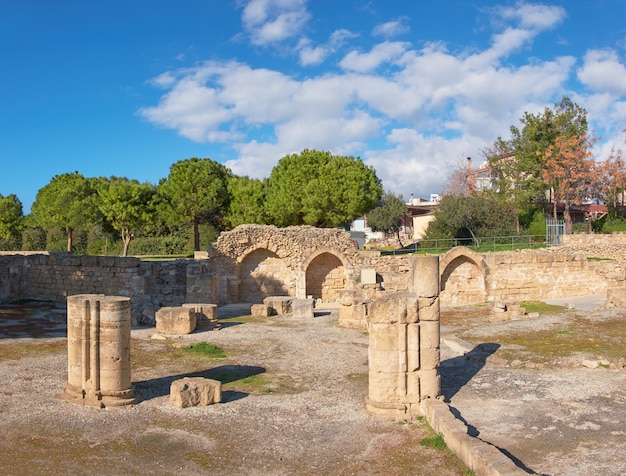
[307, 418]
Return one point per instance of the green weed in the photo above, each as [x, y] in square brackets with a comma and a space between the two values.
[207, 350]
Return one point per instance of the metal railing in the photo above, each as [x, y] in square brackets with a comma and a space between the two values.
[482, 244]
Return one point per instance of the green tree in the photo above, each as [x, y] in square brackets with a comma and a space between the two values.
[69, 201]
[247, 201]
[517, 163]
[320, 189]
[470, 217]
[128, 206]
[388, 216]
[11, 220]
[195, 192]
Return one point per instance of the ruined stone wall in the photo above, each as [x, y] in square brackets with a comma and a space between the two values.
[607, 246]
[541, 274]
[254, 261]
[150, 285]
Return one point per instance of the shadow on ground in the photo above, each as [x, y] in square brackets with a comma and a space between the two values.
[457, 371]
[159, 387]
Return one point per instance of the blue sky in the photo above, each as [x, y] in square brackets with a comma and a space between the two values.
[127, 88]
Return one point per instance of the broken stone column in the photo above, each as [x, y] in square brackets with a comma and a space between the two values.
[98, 349]
[353, 309]
[404, 345]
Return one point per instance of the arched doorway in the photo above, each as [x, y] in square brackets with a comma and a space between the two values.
[325, 276]
[462, 282]
[261, 273]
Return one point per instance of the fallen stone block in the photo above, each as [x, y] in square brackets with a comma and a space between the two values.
[303, 308]
[590, 364]
[195, 391]
[259, 310]
[206, 316]
[175, 320]
[279, 304]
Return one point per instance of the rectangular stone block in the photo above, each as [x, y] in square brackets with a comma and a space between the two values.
[388, 361]
[175, 320]
[395, 308]
[368, 276]
[279, 304]
[303, 308]
[260, 310]
[383, 337]
[206, 315]
[429, 334]
[429, 309]
[429, 359]
[430, 383]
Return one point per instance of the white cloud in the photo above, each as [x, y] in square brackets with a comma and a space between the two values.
[273, 21]
[411, 112]
[386, 52]
[392, 28]
[535, 16]
[311, 56]
[603, 72]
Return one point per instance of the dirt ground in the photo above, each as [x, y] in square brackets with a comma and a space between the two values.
[293, 403]
[549, 391]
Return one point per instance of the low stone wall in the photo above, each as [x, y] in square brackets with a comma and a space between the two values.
[254, 262]
[53, 277]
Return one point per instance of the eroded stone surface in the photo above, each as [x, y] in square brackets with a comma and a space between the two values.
[195, 391]
[176, 320]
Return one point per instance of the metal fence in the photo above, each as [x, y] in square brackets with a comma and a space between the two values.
[554, 230]
[489, 243]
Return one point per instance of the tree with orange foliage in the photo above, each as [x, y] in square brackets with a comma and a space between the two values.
[614, 178]
[571, 172]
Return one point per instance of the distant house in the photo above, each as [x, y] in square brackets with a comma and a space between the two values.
[420, 214]
[414, 224]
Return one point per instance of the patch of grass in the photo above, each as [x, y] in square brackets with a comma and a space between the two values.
[594, 258]
[600, 338]
[542, 307]
[19, 351]
[207, 350]
[435, 442]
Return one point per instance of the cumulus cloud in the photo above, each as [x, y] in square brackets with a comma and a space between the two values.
[272, 21]
[410, 111]
[392, 28]
[314, 55]
[382, 53]
[534, 16]
[603, 72]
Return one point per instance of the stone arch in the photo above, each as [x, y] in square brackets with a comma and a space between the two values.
[261, 273]
[463, 277]
[326, 273]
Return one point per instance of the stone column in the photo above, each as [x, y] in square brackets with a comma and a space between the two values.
[404, 345]
[98, 349]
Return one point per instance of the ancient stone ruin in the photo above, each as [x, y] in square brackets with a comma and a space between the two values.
[98, 351]
[404, 345]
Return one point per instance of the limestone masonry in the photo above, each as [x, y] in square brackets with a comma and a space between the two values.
[253, 262]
